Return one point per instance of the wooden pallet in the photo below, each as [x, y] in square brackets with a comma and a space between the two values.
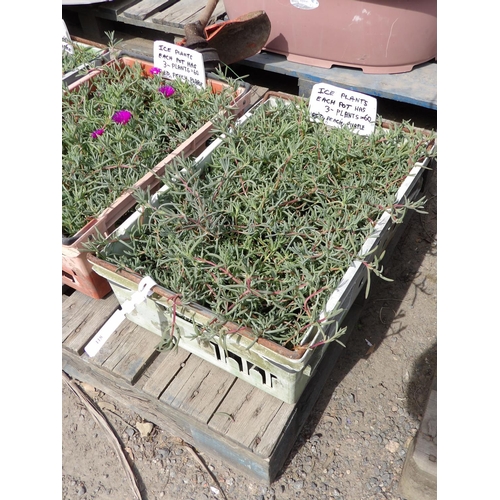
[169, 16]
[214, 411]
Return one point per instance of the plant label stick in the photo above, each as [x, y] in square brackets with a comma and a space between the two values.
[179, 62]
[144, 289]
[338, 107]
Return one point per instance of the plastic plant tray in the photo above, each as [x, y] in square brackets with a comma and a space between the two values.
[77, 273]
[279, 371]
[101, 57]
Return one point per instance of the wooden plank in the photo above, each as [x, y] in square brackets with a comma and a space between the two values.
[82, 316]
[111, 10]
[198, 388]
[170, 364]
[114, 342]
[128, 351]
[138, 356]
[147, 8]
[250, 412]
[219, 11]
[177, 14]
[419, 476]
[417, 87]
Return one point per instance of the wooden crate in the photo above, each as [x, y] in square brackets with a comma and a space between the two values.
[76, 271]
[279, 371]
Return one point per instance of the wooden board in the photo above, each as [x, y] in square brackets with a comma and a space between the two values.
[185, 12]
[417, 87]
[147, 8]
[209, 408]
[111, 10]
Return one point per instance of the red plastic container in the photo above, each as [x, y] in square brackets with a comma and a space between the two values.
[77, 272]
[381, 36]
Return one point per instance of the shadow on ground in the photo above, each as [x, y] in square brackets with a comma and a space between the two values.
[378, 319]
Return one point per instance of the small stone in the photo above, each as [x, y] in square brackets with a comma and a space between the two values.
[392, 446]
[432, 458]
[144, 428]
[82, 490]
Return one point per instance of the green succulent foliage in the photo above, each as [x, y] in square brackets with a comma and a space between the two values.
[263, 232]
[97, 169]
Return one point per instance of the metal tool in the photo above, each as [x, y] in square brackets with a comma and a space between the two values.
[229, 41]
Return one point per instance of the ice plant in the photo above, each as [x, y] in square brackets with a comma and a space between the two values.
[122, 117]
[97, 133]
[83, 55]
[154, 71]
[95, 174]
[167, 90]
[263, 230]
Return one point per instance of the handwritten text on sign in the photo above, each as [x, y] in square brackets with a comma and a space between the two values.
[66, 39]
[179, 62]
[339, 107]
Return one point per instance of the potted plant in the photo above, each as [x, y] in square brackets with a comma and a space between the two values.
[260, 245]
[78, 58]
[121, 124]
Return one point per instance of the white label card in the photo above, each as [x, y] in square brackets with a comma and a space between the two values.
[179, 62]
[67, 44]
[338, 107]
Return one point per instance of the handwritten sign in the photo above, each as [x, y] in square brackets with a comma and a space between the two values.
[338, 107]
[66, 39]
[179, 62]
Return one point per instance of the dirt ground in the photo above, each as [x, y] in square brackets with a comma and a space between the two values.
[354, 444]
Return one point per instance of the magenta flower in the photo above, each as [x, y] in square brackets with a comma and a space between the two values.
[155, 71]
[167, 90]
[97, 132]
[122, 116]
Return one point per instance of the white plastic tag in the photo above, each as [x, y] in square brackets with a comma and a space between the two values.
[338, 107]
[179, 62]
[99, 339]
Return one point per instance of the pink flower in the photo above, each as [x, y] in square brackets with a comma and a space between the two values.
[97, 132]
[167, 90]
[122, 116]
[155, 71]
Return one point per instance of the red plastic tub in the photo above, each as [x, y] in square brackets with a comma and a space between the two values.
[381, 36]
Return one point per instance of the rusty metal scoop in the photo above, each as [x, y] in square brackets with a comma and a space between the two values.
[229, 41]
